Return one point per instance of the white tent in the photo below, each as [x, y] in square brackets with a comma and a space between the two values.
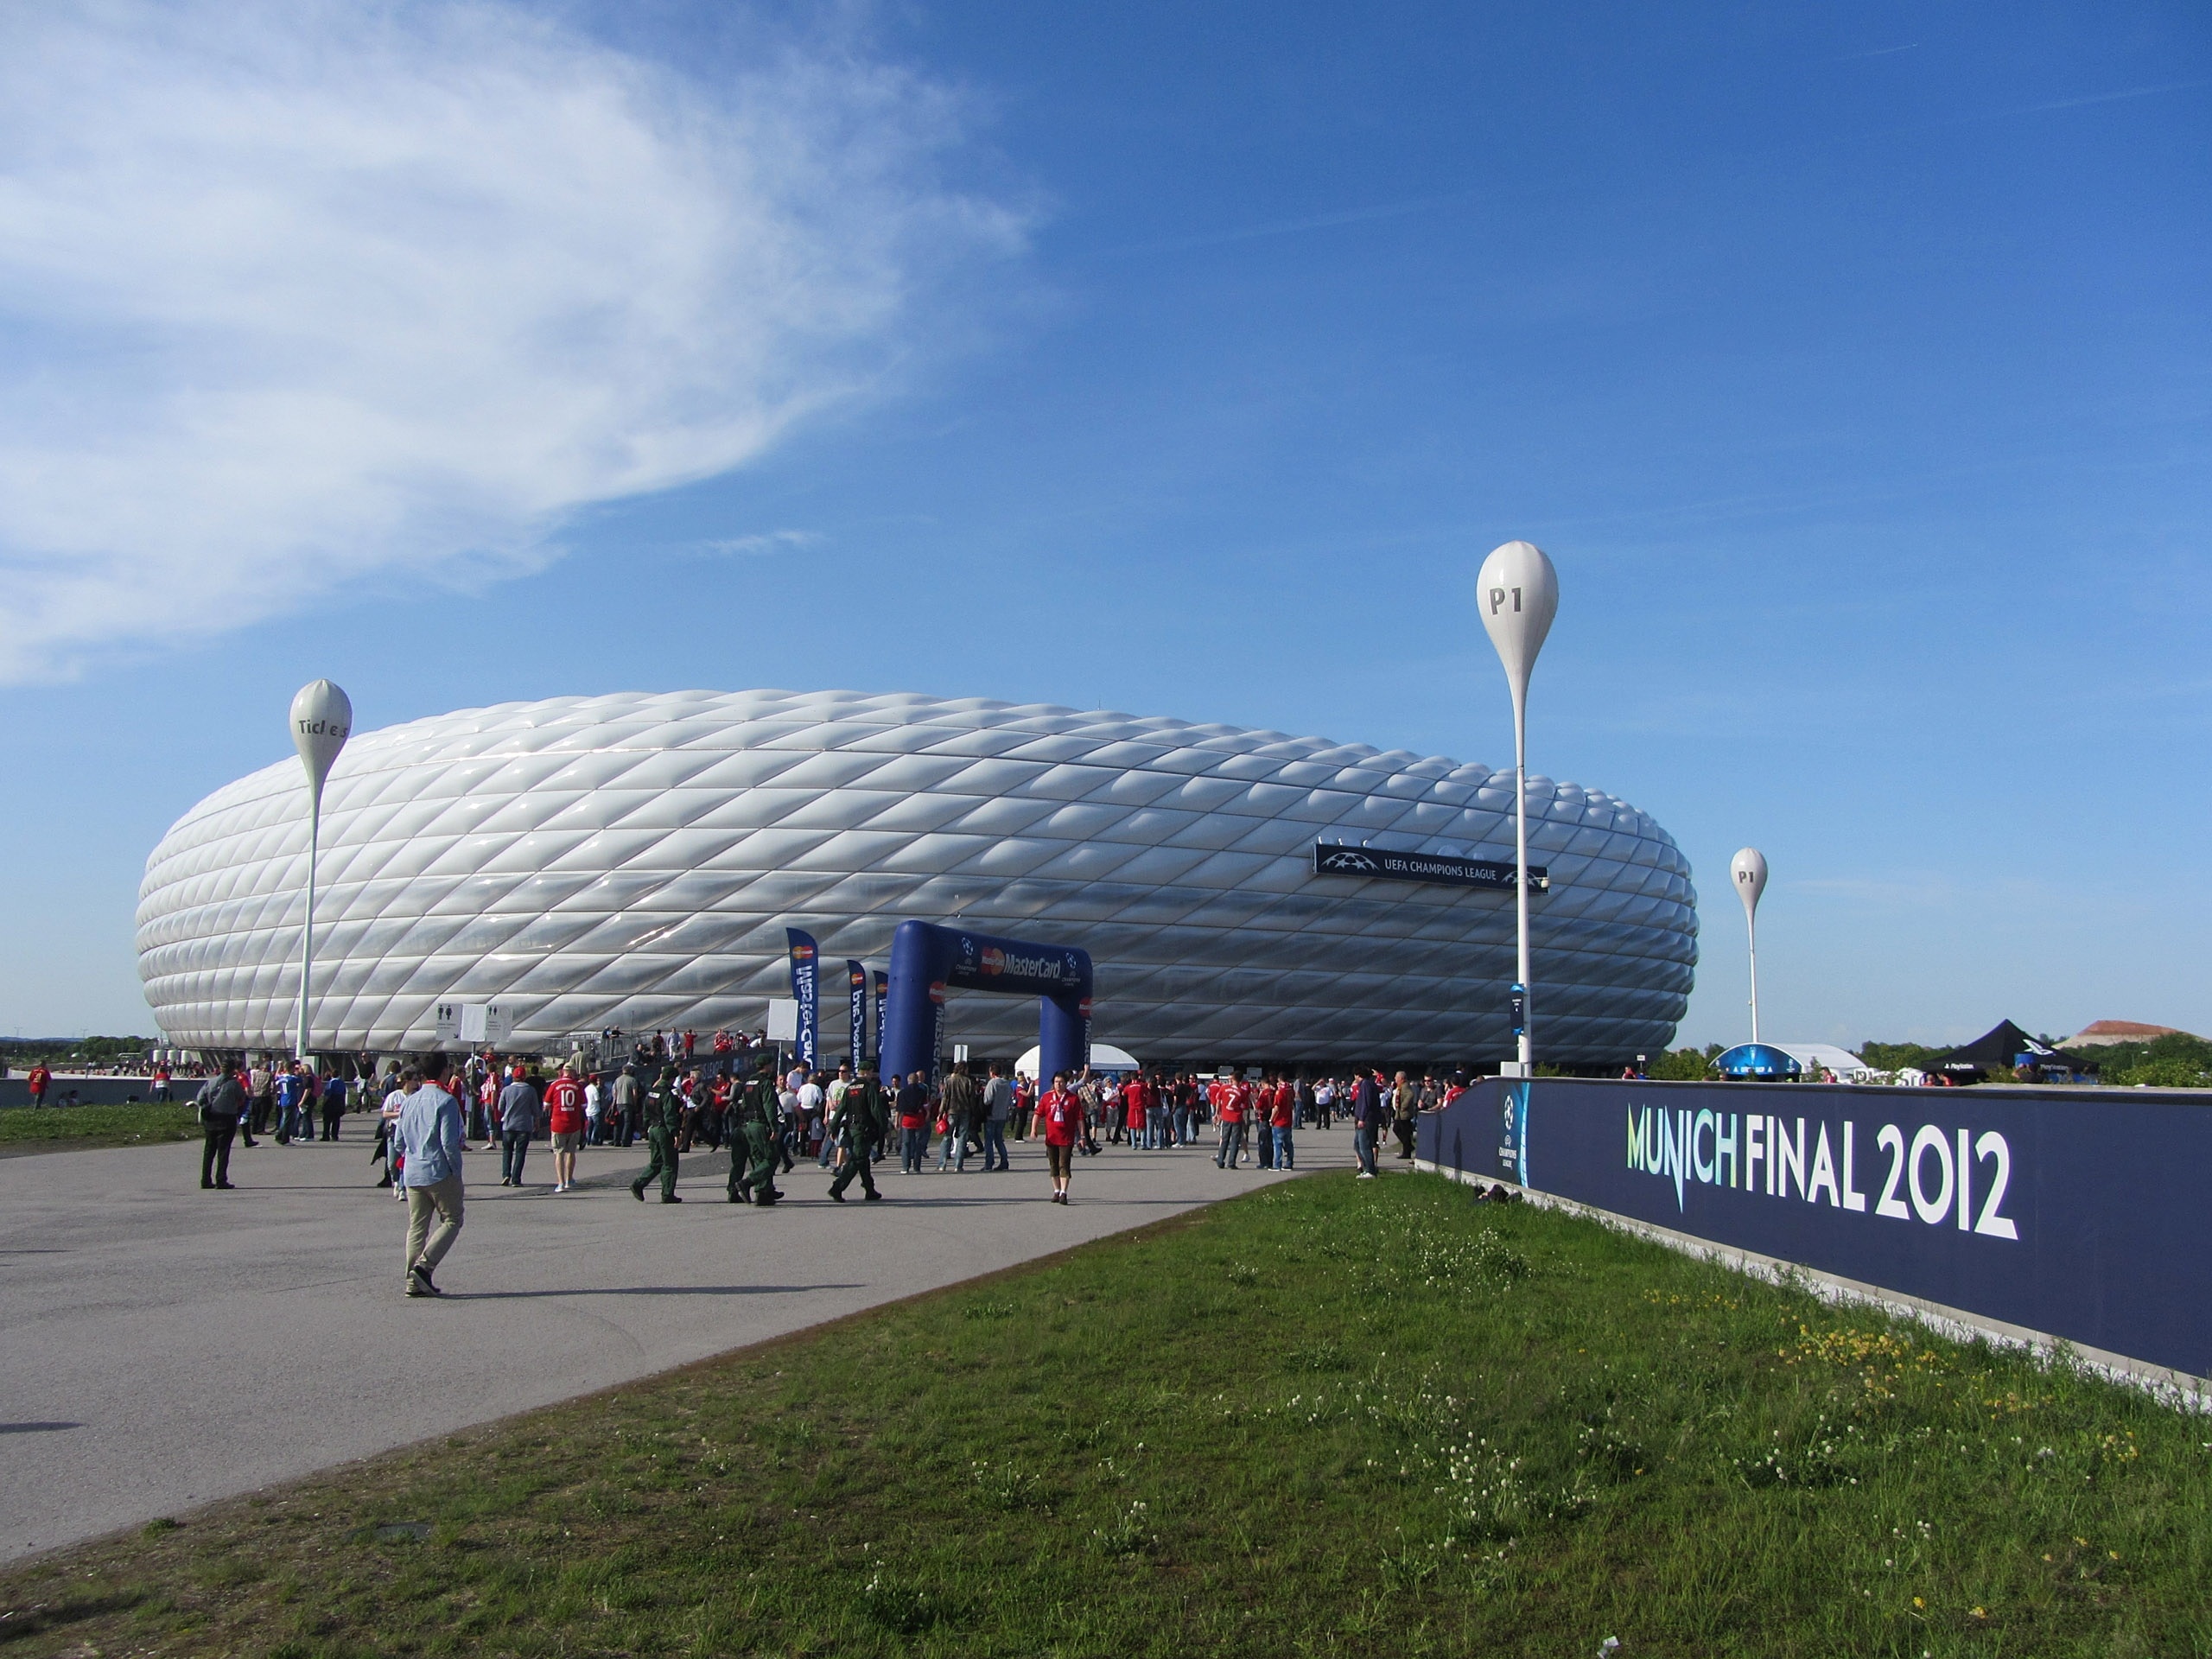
[1105, 1057]
[1816, 1057]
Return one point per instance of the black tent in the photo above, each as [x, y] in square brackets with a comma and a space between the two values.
[1995, 1051]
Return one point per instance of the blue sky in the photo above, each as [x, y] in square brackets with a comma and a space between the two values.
[1850, 364]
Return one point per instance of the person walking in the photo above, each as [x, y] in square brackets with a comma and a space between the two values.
[431, 1147]
[913, 1105]
[222, 1103]
[663, 1118]
[998, 1108]
[626, 1093]
[1060, 1111]
[1283, 1113]
[565, 1121]
[1367, 1109]
[862, 1119]
[1405, 1109]
[518, 1121]
[752, 1145]
[962, 1102]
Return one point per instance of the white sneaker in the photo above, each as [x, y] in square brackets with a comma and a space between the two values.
[1365, 1175]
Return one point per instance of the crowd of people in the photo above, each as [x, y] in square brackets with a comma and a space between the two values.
[770, 1117]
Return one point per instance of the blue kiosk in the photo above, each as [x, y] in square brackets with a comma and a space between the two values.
[927, 961]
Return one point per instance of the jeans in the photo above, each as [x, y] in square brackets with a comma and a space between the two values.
[1363, 1146]
[1267, 1139]
[1283, 1155]
[912, 1143]
[945, 1154]
[993, 1145]
[1232, 1145]
[514, 1147]
[1186, 1126]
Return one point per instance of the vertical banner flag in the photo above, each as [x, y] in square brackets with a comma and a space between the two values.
[806, 992]
[882, 987]
[856, 1024]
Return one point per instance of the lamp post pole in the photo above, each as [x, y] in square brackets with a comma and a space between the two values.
[1748, 869]
[322, 718]
[1519, 593]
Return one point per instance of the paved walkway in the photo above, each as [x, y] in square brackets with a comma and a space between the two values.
[167, 1346]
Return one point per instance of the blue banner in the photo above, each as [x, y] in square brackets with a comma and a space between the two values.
[2076, 1213]
[856, 1013]
[806, 990]
[882, 990]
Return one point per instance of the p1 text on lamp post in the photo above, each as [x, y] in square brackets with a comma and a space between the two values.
[1748, 867]
[322, 716]
[1519, 593]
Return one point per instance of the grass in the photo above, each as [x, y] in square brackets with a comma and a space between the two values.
[1328, 1418]
[52, 1128]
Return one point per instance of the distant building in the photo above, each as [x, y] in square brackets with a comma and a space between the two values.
[2103, 1034]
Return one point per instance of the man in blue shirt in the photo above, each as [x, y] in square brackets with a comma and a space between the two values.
[430, 1137]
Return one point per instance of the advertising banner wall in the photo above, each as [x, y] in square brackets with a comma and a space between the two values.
[806, 991]
[2074, 1213]
[857, 1012]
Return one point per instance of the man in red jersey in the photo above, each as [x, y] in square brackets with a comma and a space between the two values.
[1061, 1113]
[564, 1121]
[1136, 1106]
[1283, 1113]
[1229, 1106]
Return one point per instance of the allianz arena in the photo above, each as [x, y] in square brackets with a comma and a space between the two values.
[633, 860]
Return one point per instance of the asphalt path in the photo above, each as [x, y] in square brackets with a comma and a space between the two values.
[167, 1346]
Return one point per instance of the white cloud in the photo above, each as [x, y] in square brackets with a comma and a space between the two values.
[295, 293]
[772, 541]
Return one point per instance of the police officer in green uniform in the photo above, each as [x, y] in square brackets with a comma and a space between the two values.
[862, 1119]
[752, 1141]
[663, 1119]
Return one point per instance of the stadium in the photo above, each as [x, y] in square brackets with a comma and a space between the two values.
[632, 861]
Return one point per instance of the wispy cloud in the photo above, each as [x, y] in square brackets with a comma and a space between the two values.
[295, 293]
[1295, 226]
[772, 541]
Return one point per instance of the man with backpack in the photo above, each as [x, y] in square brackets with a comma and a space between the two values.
[222, 1103]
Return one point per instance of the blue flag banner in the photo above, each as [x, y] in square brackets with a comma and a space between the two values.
[806, 991]
[2073, 1214]
[857, 1021]
[882, 990]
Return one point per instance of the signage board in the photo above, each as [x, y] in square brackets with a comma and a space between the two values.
[783, 1020]
[479, 1024]
[2074, 1213]
[1378, 864]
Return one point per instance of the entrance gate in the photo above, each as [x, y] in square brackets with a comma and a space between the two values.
[927, 960]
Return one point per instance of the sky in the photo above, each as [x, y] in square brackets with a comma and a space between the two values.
[1853, 365]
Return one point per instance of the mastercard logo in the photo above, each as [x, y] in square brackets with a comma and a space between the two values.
[993, 959]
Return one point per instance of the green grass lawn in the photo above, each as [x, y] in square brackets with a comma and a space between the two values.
[52, 1128]
[1327, 1418]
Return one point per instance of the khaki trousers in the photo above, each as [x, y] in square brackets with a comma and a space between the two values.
[423, 1244]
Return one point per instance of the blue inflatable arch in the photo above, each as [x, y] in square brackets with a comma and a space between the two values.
[927, 961]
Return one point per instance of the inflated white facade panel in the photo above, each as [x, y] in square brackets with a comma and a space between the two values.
[633, 860]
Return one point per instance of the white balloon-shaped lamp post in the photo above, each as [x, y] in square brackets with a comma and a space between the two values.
[1749, 869]
[1518, 590]
[322, 716]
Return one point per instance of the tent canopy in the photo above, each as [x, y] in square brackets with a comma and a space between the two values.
[1761, 1062]
[1105, 1057]
[1814, 1056]
[1996, 1049]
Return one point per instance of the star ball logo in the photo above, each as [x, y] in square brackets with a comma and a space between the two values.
[1346, 859]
